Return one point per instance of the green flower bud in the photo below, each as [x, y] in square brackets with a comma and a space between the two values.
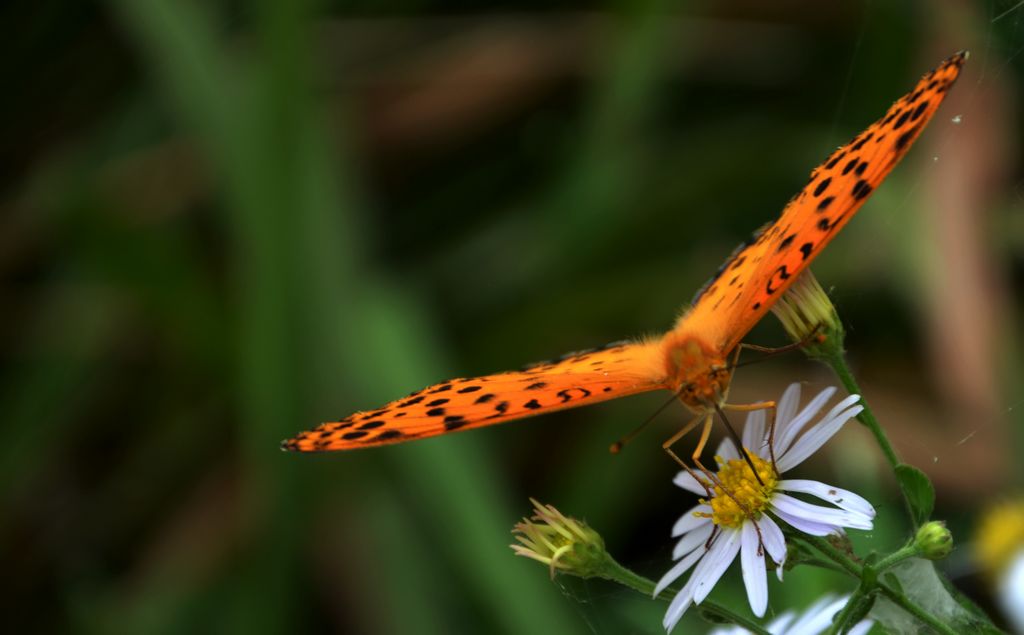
[562, 543]
[933, 540]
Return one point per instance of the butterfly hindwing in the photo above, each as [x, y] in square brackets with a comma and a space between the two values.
[576, 379]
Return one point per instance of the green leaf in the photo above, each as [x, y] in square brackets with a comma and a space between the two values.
[893, 582]
[918, 490]
[861, 606]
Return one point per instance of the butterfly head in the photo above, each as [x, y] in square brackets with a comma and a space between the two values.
[698, 375]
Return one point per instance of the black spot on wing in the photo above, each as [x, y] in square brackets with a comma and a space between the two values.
[834, 161]
[902, 119]
[921, 107]
[454, 422]
[905, 138]
[861, 190]
[532, 404]
[863, 140]
[782, 274]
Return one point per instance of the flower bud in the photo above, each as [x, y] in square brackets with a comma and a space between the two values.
[810, 318]
[561, 542]
[933, 540]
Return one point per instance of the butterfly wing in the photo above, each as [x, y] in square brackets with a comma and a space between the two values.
[576, 379]
[760, 271]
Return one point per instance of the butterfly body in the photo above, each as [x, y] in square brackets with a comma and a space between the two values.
[696, 372]
[692, 359]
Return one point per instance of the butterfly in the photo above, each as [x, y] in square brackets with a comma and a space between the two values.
[693, 359]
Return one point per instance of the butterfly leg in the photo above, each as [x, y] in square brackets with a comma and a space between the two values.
[667, 446]
[776, 350]
[770, 406]
[710, 476]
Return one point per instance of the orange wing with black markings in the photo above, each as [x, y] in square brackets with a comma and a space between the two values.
[760, 272]
[693, 359]
[577, 379]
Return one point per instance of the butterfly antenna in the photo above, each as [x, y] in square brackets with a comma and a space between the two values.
[739, 443]
[621, 443]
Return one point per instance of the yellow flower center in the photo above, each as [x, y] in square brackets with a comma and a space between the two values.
[740, 495]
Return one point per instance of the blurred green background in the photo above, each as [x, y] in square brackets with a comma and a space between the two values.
[225, 222]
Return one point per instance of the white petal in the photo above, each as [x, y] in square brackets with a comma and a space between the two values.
[673, 574]
[847, 401]
[784, 439]
[692, 540]
[861, 628]
[780, 624]
[841, 498]
[677, 607]
[727, 450]
[753, 433]
[818, 616]
[816, 437]
[806, 526]
[752, 563]
[714, 564]
[728, 630]
[774, 540]
[686, 481]
[786, 407]
[689, 521]
[783, 503]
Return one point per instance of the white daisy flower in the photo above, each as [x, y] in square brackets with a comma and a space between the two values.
[815, 620]
[715, 531]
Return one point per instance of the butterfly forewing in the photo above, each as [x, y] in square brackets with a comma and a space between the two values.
[577, 379]
[760, 272]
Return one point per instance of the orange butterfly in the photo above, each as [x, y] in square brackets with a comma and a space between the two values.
[691, 360]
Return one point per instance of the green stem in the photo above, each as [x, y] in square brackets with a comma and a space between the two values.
[618, 573]
[837, 361]
[891, 560]
[869, 575]
[842, 617]
[845, 562]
